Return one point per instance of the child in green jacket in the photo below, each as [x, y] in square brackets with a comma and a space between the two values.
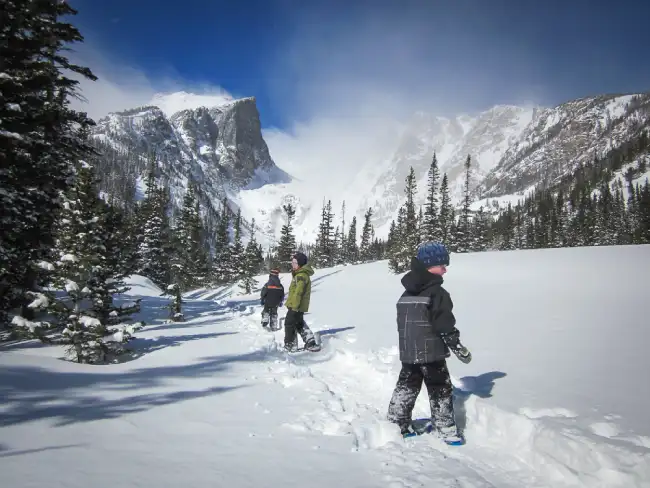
[297, 304]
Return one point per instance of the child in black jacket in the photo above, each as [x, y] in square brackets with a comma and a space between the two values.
[427, 332]
[272, 296]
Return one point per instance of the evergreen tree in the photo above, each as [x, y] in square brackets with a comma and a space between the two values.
[324, 252]
[154, 249]
[431, 227]
[191, 259]
[88, 269]
[446, 217]
[237, 258]
[40, 139]
[396, 262]
[407, 232]
[365, 252]
[287, 244]
[352, 252]
[176, 303]
[481, 231]
[463, 232]
[253, 262]
[220, 263]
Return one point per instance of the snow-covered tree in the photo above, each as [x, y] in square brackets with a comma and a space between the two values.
[41, 138]
[352, 250]
[221, 261]
[190, 256]
[87, 268]
[365, 250]
[431, 223]
[253, 262]
[446, 214]
[155, 243]
[237, 257]
[463, 235]
[176, 303]
[287, 245]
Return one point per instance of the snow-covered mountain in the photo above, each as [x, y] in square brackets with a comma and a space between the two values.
[220, 147]
[558, 140]
[512, 148]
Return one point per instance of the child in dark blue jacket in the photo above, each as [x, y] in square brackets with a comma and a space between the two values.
[427, 333]
[272, 296]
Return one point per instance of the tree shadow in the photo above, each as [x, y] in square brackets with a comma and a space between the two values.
[12, 345]
[10, 453]
[31, 394]
[325, 332]
[316, 280]
[139, 346]
[481, 386]
[315, 283]
[187, 324]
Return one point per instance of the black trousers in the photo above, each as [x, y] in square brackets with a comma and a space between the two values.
[438, 383]
[273, 311]
[294, 322]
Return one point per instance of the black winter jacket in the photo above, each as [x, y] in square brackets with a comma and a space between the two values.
[425, 322]
[272, 293]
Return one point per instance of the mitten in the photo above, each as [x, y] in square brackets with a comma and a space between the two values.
[463, 354]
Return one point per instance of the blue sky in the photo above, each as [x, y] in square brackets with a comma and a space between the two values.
[337, 59]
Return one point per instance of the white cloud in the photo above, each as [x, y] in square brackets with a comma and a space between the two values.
[352, 78]
[121, 87]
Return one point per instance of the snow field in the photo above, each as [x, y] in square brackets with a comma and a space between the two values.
[555, 396]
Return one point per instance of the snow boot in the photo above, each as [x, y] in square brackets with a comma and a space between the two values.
[273, 323]
[312, 346]
[265, 320]
[451, 436]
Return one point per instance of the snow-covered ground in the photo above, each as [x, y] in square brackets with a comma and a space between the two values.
[557, 393]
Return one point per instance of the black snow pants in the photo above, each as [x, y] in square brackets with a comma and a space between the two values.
[438, 383]
[294, 322]
[270, 313]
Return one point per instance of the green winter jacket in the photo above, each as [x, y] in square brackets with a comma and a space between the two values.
[300, 289]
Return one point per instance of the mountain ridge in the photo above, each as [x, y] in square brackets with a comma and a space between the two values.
[513, 148]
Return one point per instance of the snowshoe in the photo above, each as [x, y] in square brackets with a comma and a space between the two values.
[312, 347]
[451, 436]
[417, 427]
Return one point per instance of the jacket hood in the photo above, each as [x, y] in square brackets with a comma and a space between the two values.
[419, 278]
[306, 269]
[274, 280]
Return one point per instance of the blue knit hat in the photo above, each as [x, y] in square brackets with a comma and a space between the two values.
[433, 254]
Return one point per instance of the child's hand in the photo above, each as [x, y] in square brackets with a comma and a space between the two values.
[463, 354]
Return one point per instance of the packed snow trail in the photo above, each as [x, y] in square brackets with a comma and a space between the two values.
[215, 401]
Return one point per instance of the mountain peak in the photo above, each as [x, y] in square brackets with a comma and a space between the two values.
[171, 103]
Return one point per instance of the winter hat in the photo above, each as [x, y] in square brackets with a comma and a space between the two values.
[275, 271]
[300, 258]
[432, 253]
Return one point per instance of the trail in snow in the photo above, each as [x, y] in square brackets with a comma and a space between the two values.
[348, 393]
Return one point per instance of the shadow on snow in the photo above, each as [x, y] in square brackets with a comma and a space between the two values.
[481, 386]
[30, 393]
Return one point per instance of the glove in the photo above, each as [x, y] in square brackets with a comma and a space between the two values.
[463, 354]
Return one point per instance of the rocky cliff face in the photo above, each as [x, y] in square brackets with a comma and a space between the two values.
[220, 148]
[559, 139]
[512, 149]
